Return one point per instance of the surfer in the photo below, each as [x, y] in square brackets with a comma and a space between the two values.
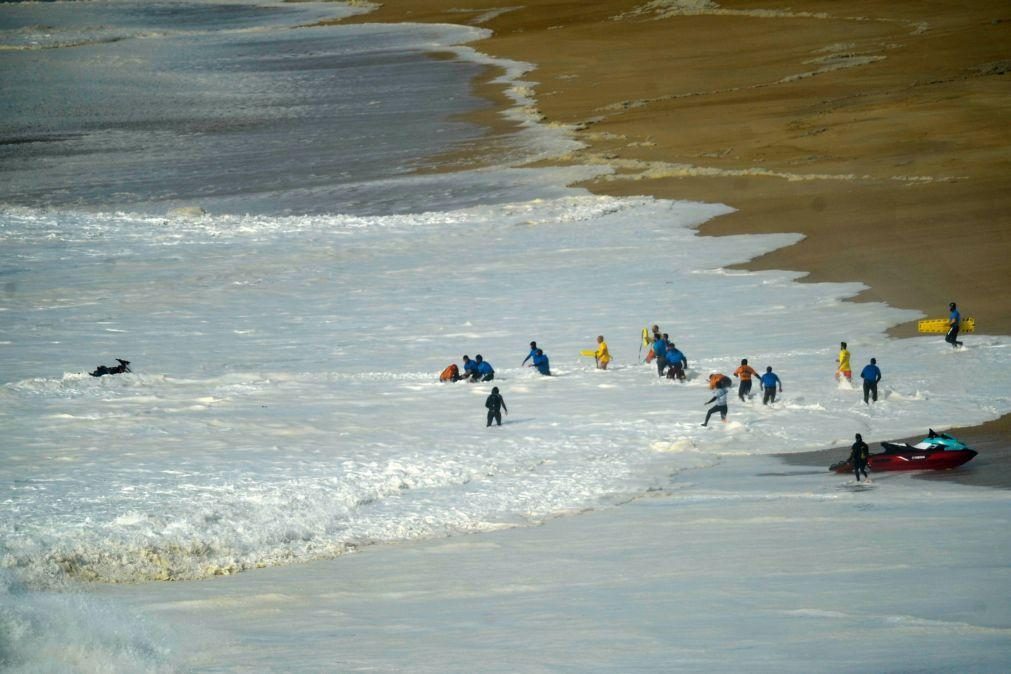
[843, 360]
[954, 321]
[484, 371]
[676, 363]
[496, 405]
[660, 354]
[769, 382]
[871, 374]
[533, 352]
[102, 370]
[858, 457]
[541, 363]
[602, 355]
[469, 368]
[721, 405]
[745, 372]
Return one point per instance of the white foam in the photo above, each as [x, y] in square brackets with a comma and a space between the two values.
[294, 450]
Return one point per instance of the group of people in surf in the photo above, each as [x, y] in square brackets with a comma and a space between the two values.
[474, 369]
[672, 363]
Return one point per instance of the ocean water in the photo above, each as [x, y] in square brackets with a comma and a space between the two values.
[228, 196]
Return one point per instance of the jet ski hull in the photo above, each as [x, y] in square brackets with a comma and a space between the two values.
[913, 459]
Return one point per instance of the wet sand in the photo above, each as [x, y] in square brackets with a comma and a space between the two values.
[877, 130]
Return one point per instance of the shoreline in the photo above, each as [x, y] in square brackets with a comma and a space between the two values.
[876, 134]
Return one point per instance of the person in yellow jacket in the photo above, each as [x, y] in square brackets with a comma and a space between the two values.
[602, 355]
[844, 363]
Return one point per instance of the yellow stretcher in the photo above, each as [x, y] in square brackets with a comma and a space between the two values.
[939, 326]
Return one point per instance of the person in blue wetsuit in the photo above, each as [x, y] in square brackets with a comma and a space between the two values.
[954, 321]
[721, 405]
[676, 363]
[871, 374]
[533, 352]
[660, 354]
[769, 382]
[485, 372]
[469, 368]
[541, 363]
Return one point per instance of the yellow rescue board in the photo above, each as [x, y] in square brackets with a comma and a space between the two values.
[588, 352]
[939, 326]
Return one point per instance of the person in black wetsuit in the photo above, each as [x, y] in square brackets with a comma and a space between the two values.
[496, 405]
[102, 370]
[858, 457]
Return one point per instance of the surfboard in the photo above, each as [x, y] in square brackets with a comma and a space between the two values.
[939, 326]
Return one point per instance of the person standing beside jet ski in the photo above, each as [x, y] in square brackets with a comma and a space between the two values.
[871, 374]
[859, 453]
[954, 322]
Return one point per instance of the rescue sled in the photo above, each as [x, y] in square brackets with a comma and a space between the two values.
[939, 326]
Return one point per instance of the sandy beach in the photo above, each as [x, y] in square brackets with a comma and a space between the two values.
[877, 130]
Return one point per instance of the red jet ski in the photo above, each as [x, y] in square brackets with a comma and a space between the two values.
[937, 451]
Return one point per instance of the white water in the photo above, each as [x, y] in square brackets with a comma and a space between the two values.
[284, 404]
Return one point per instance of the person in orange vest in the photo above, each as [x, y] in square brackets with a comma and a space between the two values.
[451, 373]
[745, 372]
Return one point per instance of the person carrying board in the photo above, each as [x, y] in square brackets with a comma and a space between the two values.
[954, 322]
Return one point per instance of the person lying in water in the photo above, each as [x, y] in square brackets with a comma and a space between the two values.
[102, 370]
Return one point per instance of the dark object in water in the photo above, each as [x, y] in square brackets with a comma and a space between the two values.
[124, 366]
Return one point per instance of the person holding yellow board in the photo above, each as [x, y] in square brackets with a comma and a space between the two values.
[600, 354]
